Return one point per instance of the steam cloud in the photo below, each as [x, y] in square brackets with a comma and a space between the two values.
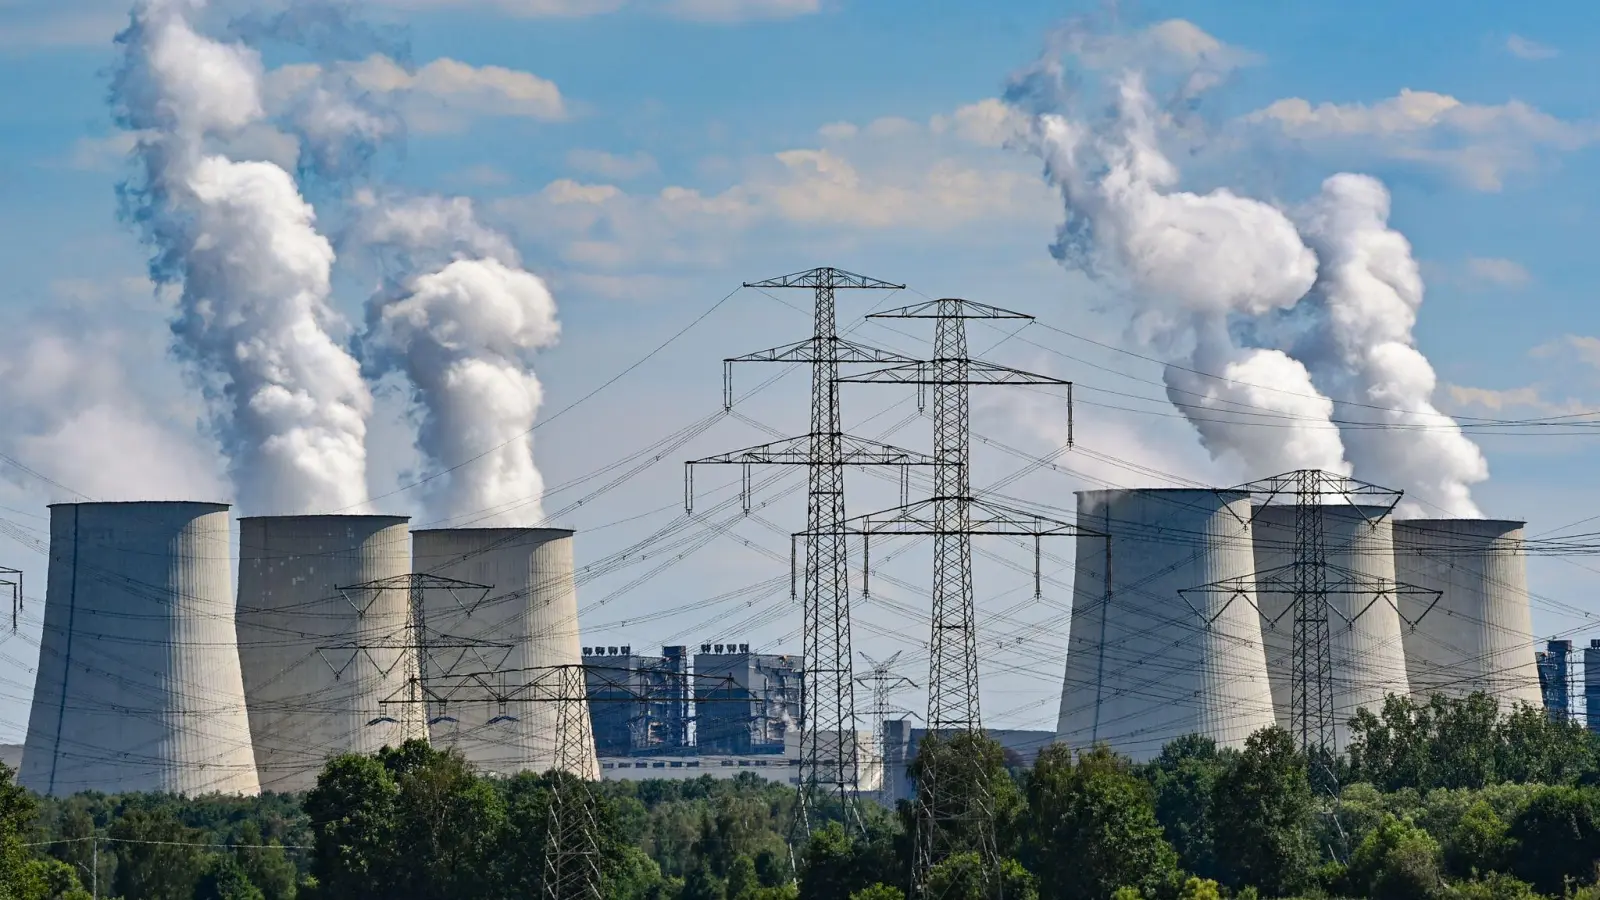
[288, 402]
[1195, 267]
[462, 322]
[1359, 346]
[1187, 262]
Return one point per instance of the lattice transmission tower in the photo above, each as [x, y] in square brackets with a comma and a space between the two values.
[954, 801]
[11, 582]
[828, 770]
[1311, 582]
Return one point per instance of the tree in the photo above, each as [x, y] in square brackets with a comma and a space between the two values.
[1397, 861]
[447, 822]
[1200, 889]
[1556, 837]
[1092, 827]
[1498, 886]
[1261, 814]
[353, 819]
[1184, 777]
[19, 876]
[265, 863]
[972, 777]
[960, 876]
[224, 879]
[1479, 844]
[879, 891]
[156, 856]
[1535, 748]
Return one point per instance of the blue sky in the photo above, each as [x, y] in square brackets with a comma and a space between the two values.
[650, 156]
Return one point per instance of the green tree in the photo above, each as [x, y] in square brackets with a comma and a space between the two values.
[353, 811]
[19, 875]
[1397, 861]
[1556, 837]
[960, 876]
[879, 891]
[1479, 843]
[1200, 889]
[970, 768]
[1536, 749]
[703, 884]
[1496, 886]
[1092, 827]
[1261, 815]
[1184, 778]
[447, 822]
[224, 879]
[265, 863]
[53, 879]
[156, 856]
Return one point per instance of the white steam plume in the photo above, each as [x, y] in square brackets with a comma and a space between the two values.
[462, 323]
[1188, 263]
[288, 402]
[1360, 348]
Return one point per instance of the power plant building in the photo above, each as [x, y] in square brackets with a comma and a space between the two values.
[528, 618]
[639, 704]
[1366, 655]
[138, 685]
[1478, 636]
[745, 702]
[323, 660]
[1149, 657]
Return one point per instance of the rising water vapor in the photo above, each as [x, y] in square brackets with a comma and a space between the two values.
[1359, 347]
[461, 321]
[287, 401]
[1187, 264]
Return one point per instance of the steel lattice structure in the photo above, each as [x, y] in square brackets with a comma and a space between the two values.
[1311, 580]
[944, 807]
[882, 681]
[826, 772]
[12, 578]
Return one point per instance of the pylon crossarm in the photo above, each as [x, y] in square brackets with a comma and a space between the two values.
[986, 518]
[977, 372]
[949, 308]
[825, 277]
[795, 451]
[835, 349]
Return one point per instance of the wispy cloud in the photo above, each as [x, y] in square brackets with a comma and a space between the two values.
[1477, 143]
[720, 11]
[611, 165]
[1498, 271]
[1527, 48]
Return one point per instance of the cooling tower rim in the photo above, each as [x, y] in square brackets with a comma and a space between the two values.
[1442, 522]
[1231, 493]
[1352, 510]
[128, 504]
[335, 517]
[506, 531]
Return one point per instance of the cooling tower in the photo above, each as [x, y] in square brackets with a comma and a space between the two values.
[318, 662]
[138, 684]
[1366, 656]
[1146, 664]
[1478, 637]
[528, 618]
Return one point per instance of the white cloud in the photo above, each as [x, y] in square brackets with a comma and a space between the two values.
[1478, 143]
[441, 96]
[721, 11]
[1497, 271]
[612, 165]
[1585, 348]
[891, 176]
[1527, 48]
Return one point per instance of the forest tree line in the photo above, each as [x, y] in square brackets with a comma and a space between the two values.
[1447, 800]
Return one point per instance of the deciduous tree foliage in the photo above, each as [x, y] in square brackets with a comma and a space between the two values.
[1262, 811]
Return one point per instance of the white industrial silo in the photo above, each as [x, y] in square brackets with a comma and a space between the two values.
[1479, 635]
[1366, 655]
[138, 685]
[319, 662]
[1146, 663]
[530, 610]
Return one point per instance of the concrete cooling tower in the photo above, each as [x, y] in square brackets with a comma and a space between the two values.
[1479, 636]
[1146, 664]
[138, 680]
[530, 610]
[1367, 657]
[318, 662]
